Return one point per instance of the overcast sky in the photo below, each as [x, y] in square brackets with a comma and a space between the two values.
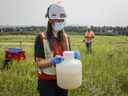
[79, 12]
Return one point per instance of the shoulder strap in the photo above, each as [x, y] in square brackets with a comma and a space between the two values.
[45, 42]
[68, 43]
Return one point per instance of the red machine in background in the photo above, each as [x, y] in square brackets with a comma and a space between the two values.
[14, 54]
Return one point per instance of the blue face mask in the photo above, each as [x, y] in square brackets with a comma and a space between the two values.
[58, 26]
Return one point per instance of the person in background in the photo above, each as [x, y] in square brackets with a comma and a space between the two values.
[49, 48]
[88, 39]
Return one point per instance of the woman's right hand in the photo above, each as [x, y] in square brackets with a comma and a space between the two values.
[57, 59]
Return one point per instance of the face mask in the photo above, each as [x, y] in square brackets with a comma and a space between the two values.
[58, 26]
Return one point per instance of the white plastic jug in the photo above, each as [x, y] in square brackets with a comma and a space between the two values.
[69, 72]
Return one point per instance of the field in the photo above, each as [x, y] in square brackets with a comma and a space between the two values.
[105, 71]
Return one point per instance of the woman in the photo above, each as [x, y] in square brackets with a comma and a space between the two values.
[49, 49]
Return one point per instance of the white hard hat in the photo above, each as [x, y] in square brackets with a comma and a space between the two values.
[56, 11]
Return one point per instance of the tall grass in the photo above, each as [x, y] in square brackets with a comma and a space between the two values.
[105, 71]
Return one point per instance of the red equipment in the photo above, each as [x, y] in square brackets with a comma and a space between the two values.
[14, 54]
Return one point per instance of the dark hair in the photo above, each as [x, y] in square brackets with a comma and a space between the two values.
[49, 33]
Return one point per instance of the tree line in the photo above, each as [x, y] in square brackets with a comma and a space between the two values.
[100, 30]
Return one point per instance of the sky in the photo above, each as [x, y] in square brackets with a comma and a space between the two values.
[79, 12]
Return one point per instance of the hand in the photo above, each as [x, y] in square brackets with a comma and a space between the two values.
[77, 55]
[57, 59]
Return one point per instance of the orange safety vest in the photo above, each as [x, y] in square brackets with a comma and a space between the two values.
[89, 36]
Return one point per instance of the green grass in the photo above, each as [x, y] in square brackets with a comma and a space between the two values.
[105, 71]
